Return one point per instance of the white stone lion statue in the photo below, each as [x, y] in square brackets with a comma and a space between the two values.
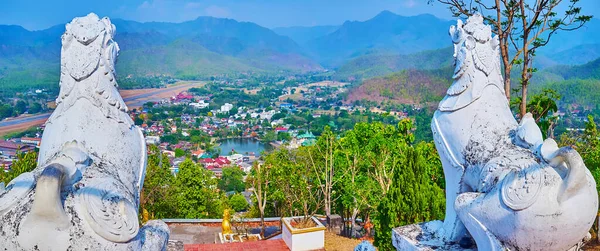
[505, 186]
[84, 194]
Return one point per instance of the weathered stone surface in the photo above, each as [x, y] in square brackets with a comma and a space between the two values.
[335, 223]
[365, 246]
[175, 246]
[423, 237]
[505, 187]
[84, 194]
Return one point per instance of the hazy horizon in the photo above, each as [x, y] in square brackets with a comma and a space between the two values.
[40, 14]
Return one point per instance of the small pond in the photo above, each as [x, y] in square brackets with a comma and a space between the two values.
[243, 146]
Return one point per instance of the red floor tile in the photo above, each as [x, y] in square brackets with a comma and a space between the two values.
[274, 245]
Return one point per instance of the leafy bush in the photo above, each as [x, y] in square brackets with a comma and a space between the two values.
[238, 202]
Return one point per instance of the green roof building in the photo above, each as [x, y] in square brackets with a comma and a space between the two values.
[307, 135]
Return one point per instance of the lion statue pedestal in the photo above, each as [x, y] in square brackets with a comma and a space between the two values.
[84, 193]
[506, 188]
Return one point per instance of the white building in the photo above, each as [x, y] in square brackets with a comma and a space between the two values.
[226, 107]
[277, 122]
[152, 140]
[199, 105]
[267, 115]
[234, 158]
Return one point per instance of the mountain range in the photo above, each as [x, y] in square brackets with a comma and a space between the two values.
[208, 46]
[386, 32]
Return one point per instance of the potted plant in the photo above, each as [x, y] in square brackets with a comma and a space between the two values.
[303, 233]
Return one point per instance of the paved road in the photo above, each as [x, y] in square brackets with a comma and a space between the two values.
[17, 121]
[21, 120]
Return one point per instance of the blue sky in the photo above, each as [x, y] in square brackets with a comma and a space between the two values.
[41, 14]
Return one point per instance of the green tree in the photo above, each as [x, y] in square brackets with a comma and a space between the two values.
[232, 180]
[20, 107]
[540, 104]
[294, 182]
[269, 136]
[589, 148]
[233, 111]
[321, 160]
[25, 162]
[260, 178]
[284, 136]
[277, 116]
[197, 194]
[158, 193]
[6, 111]
[35, 108]
[412, 198]
[179, 152]
[358, 190]
[238, 202]
[138, 121]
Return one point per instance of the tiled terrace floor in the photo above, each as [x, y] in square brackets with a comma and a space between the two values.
[271, 245]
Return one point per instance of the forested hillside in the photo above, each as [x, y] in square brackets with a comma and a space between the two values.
[406, 87]
[369, 66]
[386, 32]
[353, 51]
[195, 49]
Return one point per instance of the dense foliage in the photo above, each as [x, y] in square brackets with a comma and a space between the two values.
[232, 179]
[364, 173]
[192, 194]
[196, 193]
[412, 198]
[238, 202]
[406, 87]
[25, 162]
[158, 195]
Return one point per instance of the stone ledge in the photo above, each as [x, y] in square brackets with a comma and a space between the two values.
[421, 237]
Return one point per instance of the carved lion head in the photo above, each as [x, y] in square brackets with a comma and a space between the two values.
[87, 43]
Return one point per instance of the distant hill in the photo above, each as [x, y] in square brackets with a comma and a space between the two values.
[200, 48]
[565, 40]
[406, 87]
[577, 55]
[576, 91]
[579, 84]
[207, 46]
[304, 34]
[385, 33]
[590, 70]
[376, 65]
[181, 58]
[221, 35]
[571, 47]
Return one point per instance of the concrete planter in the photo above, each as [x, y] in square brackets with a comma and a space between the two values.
[299, 239]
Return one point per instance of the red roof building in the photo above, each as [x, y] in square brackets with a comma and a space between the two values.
[219, 162]
[31, 141]
[10, 149]
[183, 96]
[281, 129]
[5, 165]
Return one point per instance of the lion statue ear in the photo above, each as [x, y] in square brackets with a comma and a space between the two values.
[109, 28]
